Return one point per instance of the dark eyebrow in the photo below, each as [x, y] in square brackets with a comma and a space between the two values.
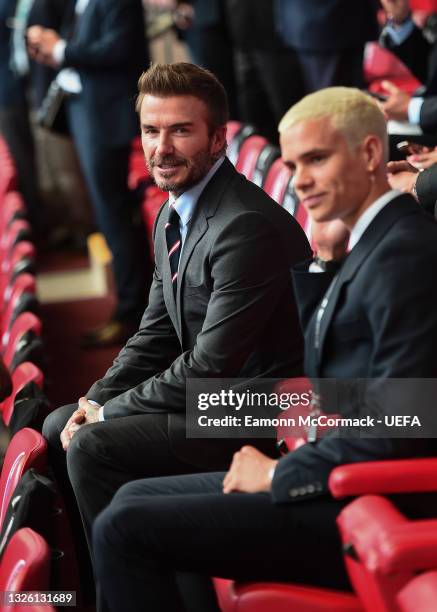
[147, 126]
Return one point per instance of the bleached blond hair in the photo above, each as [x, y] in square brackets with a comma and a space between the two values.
[353, 113]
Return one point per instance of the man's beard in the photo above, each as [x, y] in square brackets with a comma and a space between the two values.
[199, 166]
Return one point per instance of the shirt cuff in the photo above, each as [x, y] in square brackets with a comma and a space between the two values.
[271, 473]
[399, 33]
[414, 108]
[101, 415]
[58, 52]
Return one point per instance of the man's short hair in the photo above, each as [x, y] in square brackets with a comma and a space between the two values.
[353, 113]
[184, 79]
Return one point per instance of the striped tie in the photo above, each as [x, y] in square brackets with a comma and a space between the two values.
[173, 236]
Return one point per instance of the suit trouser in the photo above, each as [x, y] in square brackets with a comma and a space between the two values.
[332, 68]
[106, 174]
[269, 82]
[16, 129]
[156, 526]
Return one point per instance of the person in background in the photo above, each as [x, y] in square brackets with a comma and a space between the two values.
[99, 55]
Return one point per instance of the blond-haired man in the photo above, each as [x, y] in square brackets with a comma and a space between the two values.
[369, 314]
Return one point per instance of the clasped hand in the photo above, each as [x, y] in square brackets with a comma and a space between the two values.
[249, 472]
[85, 414]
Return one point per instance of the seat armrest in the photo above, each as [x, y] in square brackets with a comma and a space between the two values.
[384, 477]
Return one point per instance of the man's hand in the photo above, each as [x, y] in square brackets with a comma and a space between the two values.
[331, 238]
[425, 159]
[41, 42]
[85, 414]
[396, 10]
[402, 176]
[396, 105]
[249, 472]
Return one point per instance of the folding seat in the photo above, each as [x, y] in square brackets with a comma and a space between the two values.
[24, 374]
[236, 135]
[419, 595]
[21, 298]
[12, 208]
[255, 157]
[279, 186]
[26, 450]
[381, 64]
[19, 260]
[8, 175]
[23, 332]
[18, 230]
[25, 567]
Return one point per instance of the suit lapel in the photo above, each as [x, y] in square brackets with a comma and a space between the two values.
[205, 209]
[374, 234]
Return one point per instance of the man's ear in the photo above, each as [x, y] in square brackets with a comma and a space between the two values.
[218, 140]
[373, 152]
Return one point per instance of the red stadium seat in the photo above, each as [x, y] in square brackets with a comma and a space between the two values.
[26, 450]
[21, 298]
[24, 325]
[24, 373]
[25, 566]
[381, 64]
[21, 259]
[13, 207]
[16, 231]
[254, 149]
[419, 595]
[236, 137]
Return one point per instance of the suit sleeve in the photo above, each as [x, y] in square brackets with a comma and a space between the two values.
[426, 188]
[249, 278]
[399, 302]
[122, 22]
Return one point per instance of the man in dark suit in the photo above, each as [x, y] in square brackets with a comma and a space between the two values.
[100, 54]
[14, 115]
[329, 37]
[407, 41]
[369, 315]
[221, 303]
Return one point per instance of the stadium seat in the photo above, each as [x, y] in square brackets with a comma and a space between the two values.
[8, 175]
[236, 135]
[255, 157]
[25, 566]
[24, 373]
[419, 595]
[26, 450]
[16, 231]
[25, 327]
[21, 299]
[12, 208]
[20, 260]
[381, 64]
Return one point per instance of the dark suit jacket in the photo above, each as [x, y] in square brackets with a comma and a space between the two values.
[326, 25]
[421, 58]
[234, 313]
[380, 323]
[12, 88]
[109, 51]
[426, 188]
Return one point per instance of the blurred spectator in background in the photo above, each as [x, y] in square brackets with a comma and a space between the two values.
[100, 53]
[406, 40]
[205, 29]
[14, 112]
[329, 37]
[267, 71]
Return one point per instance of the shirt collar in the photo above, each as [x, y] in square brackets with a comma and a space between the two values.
[186, 202]
[369, 214]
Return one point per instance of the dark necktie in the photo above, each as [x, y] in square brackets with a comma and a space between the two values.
[173, 235]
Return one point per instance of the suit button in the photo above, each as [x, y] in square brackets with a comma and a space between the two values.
[311, 488]
[319, 486]
[293, 492]
[302, 491]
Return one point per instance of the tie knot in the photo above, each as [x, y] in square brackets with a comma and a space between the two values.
[173, 216]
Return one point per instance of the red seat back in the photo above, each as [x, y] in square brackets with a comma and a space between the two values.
[25, 566]
[24, 374]
[419, 595]
[24, 323]
[249, 154]
[26, 450]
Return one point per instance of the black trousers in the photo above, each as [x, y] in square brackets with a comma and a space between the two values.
[117, 213]
[155, 527]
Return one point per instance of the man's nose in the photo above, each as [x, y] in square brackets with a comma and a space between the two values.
[302, 178]
[164, 145]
